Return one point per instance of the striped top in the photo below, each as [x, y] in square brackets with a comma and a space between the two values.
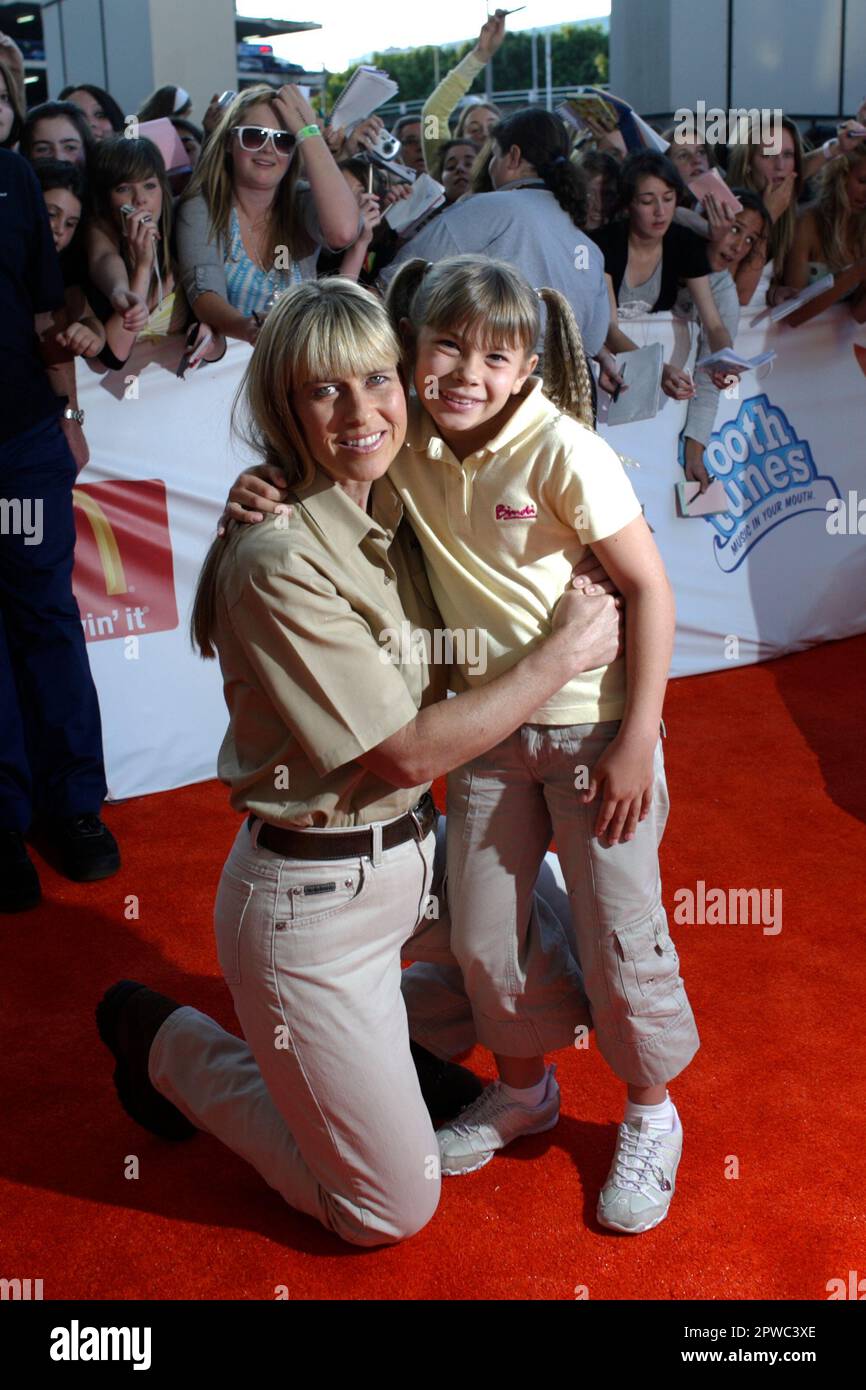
[249, 287]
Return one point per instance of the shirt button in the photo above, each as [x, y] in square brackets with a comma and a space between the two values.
[388, 579]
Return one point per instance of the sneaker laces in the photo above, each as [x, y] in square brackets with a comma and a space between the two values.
[638, 1160]
[488, 1105]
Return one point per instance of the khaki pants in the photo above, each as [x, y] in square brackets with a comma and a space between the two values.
[321, 1095]
[502, 809]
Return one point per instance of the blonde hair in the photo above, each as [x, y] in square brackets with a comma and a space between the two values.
[741, 174]
[841, 232]
[490, 300]
[319, 330]
[212, 178]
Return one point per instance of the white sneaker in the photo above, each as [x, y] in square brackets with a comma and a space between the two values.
[642, 1177]
[491, 1122]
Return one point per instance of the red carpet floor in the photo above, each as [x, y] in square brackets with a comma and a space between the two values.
[766, 768]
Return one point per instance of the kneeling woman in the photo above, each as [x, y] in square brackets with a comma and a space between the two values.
[330, 752]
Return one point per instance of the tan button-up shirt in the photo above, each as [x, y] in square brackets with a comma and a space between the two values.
[314, 625]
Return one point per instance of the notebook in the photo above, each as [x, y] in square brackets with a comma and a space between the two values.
[642, 374]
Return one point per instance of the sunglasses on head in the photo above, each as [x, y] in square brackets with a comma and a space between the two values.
[253, 138]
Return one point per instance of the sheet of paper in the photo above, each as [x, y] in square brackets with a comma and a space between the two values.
[366, 89]
[781, 311]
[691, 502]
[426, 195]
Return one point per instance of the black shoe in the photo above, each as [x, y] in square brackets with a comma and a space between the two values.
[128, 1018]
[447, 1088]
[80, 847]
[19, 881]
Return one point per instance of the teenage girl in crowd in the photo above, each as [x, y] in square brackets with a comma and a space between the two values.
[507, 486]
[831, 233]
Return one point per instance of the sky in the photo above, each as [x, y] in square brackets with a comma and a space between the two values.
[351, 28]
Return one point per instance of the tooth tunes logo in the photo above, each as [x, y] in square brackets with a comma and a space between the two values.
[768, 474]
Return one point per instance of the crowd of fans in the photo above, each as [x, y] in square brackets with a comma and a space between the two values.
[270, 195]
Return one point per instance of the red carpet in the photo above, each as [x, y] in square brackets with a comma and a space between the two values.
[766, 770]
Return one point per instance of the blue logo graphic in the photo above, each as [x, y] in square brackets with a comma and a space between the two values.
[768, 474]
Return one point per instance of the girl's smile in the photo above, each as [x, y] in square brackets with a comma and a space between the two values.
[465, 385]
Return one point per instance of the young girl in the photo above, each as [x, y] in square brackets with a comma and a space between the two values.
[130, 240]
[506, 486]
[62, 187]
[831, 233]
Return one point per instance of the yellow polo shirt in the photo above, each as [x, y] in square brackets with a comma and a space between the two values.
[314, 626]
[500, 534]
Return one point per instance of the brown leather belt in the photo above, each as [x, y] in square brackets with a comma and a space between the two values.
[350, 844]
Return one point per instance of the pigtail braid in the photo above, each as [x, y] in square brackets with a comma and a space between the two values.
[566, 375]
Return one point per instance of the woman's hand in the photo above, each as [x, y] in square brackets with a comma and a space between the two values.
[81, 340]
[778, 199]
[132, 307]
[213, 352]
[253, 494]
[610, 141]
[623, 780]
[676, 383]
[492, 36]
[365, 135]
[594, 624]
[723, 377]
[11, 55]
[141, 237]
[294, 109]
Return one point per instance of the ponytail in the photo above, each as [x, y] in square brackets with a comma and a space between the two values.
[566, 375]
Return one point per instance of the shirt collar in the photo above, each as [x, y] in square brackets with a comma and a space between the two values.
[341, 519]
[422, 436]
[533, 182]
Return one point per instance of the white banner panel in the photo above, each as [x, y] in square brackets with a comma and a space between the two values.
[769, 576]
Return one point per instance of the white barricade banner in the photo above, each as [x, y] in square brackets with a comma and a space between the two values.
[784, 567]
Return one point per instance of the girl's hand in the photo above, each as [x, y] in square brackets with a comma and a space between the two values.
[294, 108]
[777, 199]
[676, 383]
[778, 294]
[141, 236]
[335, 139]
[81, 340]
[590, 577]
[132, 307]
[491, 37]
[211, 117]
[369, 205]
[623, 780]
[723, 377]
[696, 470]
[609, 377]
[11, 55]
[720, 216]
[851, 136]
[395, 193]
[215, 349]
[262, 490]
[364, 135]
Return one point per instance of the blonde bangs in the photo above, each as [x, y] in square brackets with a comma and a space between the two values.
[487, 301]
[345, 339]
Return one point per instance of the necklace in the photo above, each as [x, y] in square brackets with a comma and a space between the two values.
[254, 230]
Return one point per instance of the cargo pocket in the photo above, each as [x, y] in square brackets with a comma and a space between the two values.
[648, 966]
[232, 901]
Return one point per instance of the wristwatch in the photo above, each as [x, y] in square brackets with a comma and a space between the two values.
[76, 415]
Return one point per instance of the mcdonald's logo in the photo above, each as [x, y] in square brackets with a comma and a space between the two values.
[124, 572]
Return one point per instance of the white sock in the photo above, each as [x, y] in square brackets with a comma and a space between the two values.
[661, 1116]
[530, 1096]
